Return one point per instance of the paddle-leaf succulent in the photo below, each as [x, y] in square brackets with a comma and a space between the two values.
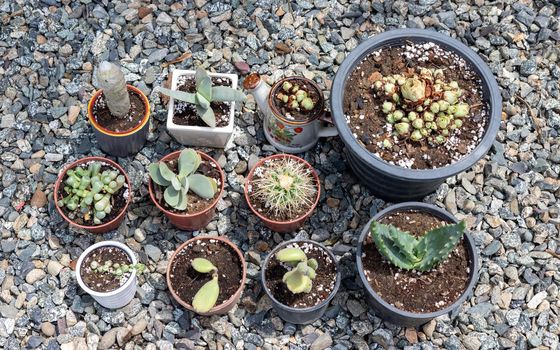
[207, 296]
[300, 278]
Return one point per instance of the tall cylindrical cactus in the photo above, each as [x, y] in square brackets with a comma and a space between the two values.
[112, 81]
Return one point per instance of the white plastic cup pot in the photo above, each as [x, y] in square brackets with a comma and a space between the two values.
[118, 297]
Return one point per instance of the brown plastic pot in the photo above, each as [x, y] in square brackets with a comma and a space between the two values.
[123, 143]
[194, 221]
[106, 227]
[283, 226]
[224, 307]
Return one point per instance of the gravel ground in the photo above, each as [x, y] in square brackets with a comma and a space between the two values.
[48, 50]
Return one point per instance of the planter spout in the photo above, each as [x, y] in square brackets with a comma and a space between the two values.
[260, 91]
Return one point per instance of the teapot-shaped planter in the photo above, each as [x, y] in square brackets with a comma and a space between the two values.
[293, 121]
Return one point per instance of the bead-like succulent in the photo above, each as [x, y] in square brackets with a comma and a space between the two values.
[207, 295]
[90, 191]
[294, 97]
[284, 185]
[300, 278]
[410, 253]
[116, 268]
[423, 102]
[205, 94]
[178, 185]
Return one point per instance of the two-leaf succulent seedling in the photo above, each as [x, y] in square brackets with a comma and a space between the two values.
[411, 253]
[90, 190]
[178, 185]
[300, 278]
[205, 94]
[207, 295]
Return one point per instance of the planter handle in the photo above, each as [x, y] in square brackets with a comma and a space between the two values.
[327, 131]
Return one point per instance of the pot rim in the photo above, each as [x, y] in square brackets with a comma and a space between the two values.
[103, 130]
[83, 161]
[172, 156]
[442, 214]
[385, 39]
[275, 156]
[306, 309]
[120, 245]
[170, 105]
[217, 308]
[279, 115]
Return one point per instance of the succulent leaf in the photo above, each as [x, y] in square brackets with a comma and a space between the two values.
[175, 183]
[207, 115]
[165, 172]
[224, 93]
[202, 101]
[312, 263]
[202, 186]
[291, 255]
[385, 245]
[203, 84]
[189, 160]
[178, 95]
[297, 282]
[438, 243]
[172, 196]
[203, 265]
[183, 201]
[206, 297]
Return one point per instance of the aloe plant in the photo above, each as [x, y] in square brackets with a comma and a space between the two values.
[207, 295]
[410, 253]
[300, 278]
[205, 94]
[90, 191]
[112, 82]
[178, 185]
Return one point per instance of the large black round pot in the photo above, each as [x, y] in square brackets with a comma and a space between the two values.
[300, 315]
[410, 319]
[392, 182]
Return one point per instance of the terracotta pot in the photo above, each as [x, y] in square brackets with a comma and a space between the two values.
[194, 221]
[125, 143]
[226, 306]
[279, 226]
[106, 227]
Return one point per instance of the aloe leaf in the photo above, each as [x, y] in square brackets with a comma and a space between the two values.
[206, 297]
[291, 255]
[404, 241]
[207, 115]
[188, 162]
[203, 265]
[175, 183]
[224, 93]
[165, 172]
[386, 246]
[203, 84]
[172, 196]
[178, 95]
[201, 185]
[438, 243]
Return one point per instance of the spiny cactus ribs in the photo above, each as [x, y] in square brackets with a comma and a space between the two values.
[300, 278]
[207, 295]
[295, 98]
[410, 253]
[178, 185]
[421, 105]
[90, 191]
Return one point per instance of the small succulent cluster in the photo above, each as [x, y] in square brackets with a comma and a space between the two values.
[204, 95]
[422, 106]
[90, 191]
[295, 98]
[116, 268]
[410, 253]
[207, 295]
[178, 185]
[300, 278]
[285, 186]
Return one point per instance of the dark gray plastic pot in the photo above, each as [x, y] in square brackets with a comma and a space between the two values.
[410, 319]
[292, 314]
[389, 181]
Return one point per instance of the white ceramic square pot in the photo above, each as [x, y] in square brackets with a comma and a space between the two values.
[118, 297]
[203, 136]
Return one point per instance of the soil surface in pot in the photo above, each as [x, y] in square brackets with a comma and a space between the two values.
[261, 203]
[300, 114]
[363, 107]
[184, 113]
[118, 202]
[104, 281]
[195, 203]
[414, 291]
[323, 284]
[103, 115]
[186, 281]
